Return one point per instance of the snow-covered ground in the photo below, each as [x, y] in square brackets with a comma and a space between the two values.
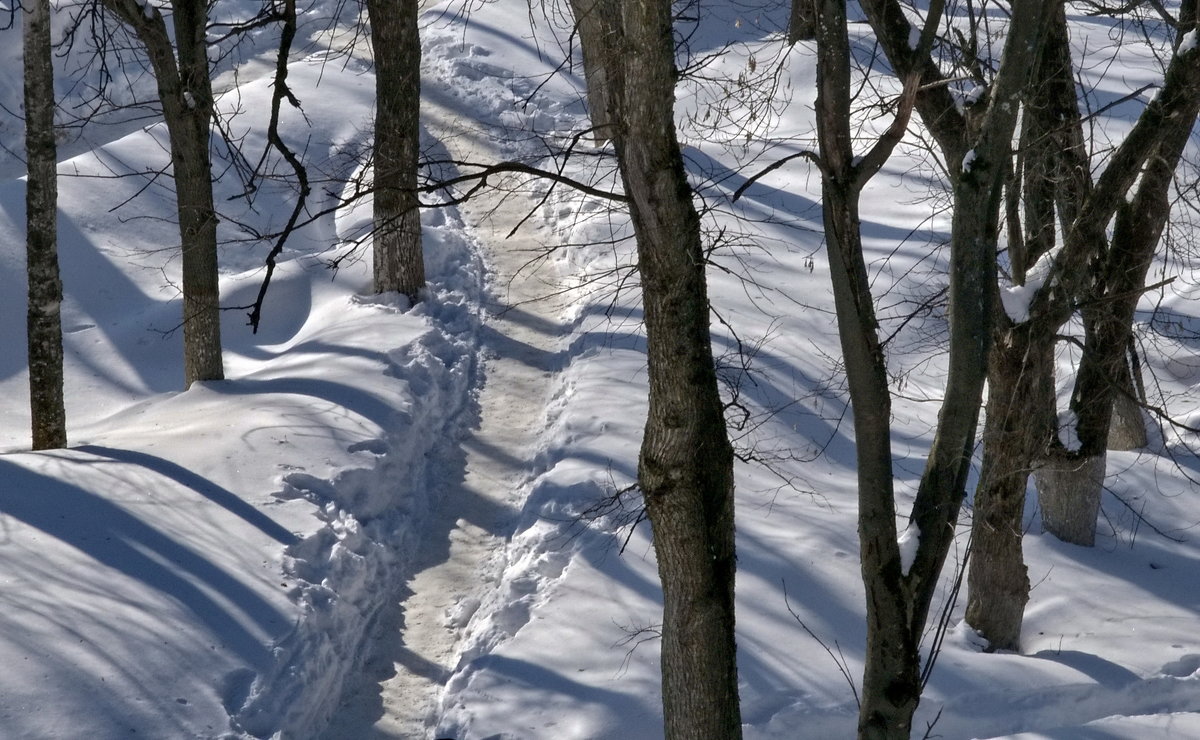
[215, 562]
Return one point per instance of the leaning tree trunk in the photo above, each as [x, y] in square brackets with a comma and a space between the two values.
[48, 414]
[685, 468]
[185, 91]
[399, 263]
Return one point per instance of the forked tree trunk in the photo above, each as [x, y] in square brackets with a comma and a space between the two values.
[48, 413]
[398, 260]
[1020, 419]
[185, 91]
[1109, 306]
[899, 594]
[685, 469]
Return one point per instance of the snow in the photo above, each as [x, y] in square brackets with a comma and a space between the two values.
[969, 161]
[1016, 299]
[909, 541]
[219, 562]
[1068, 430]
[1188, 42]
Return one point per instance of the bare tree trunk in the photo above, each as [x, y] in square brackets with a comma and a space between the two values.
[399, 263]
[596, 23]
[1069, 496]
[1128, 429]
[1020, 419]
[1018, 424]
[802, 22]
[185, 90]
[48, 413]
[685, 468]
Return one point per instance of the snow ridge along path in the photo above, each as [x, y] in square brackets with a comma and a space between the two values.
[464, 553]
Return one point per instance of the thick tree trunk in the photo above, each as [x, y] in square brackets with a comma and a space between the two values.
[48, 413]
[596, 23]
[185, 91]
[399, 263]
[685, 469]
[1019, 419]
[1069, 496]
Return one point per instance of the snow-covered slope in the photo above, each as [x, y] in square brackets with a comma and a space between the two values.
[211, 562]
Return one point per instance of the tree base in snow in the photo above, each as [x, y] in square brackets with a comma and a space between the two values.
[1069, 497]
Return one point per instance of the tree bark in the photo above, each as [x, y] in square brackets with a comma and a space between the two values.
[1020, 419]
[802, 22]
[596, 23]
[398, 260]
[685, 469]
[1018, 424]
[185, 91]
[45, 292]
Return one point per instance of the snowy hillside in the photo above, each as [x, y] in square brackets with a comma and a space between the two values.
[224, 561]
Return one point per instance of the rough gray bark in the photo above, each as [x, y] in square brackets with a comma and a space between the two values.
[1070, 513]
[596, 23]
[1128, 429]
[898, 601]
[802, 22]
[685, 469]
[185, 92]
[1019, 421]
[44, 328]
[395, 40]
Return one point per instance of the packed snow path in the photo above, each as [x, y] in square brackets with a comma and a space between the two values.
[463, 546]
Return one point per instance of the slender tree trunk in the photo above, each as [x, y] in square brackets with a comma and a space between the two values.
[399, 263]
[48, 413]
[185, 90]
[685, 468]
[596, 23]
[802, 21]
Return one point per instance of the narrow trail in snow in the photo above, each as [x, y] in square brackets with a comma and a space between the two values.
[463, 551]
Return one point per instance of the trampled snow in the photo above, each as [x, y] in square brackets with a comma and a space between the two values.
[212, 562]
